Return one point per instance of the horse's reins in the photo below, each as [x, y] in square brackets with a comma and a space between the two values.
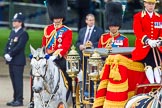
[155, 96]
[156, 63]
[155, 58]
[46, 87]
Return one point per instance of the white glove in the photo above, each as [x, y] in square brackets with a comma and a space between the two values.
[8, 57]
[158, 43]
[152, 43]
[53, 57]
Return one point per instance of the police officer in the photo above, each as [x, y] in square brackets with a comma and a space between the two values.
[14, 55]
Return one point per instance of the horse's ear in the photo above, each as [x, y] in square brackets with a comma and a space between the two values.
[32, 50]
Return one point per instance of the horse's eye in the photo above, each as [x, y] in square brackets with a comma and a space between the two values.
[44, 65]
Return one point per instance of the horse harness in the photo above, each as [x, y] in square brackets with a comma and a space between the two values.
[45, 84]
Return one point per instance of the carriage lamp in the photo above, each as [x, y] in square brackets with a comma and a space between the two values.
[95, 67]
[72, 66]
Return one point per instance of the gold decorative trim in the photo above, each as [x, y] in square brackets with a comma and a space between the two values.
[103, 84]
[143, 13]
[64, 79]
[128, 63]
[98, 102]
[157, 14]
[114, 34]
[142, 40]
[114, 104]
[51, 34]
[118, 87]
[102, 40]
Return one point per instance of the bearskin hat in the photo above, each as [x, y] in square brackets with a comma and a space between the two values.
[114, 13]
[57, 8]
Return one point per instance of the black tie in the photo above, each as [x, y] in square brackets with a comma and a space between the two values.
[88, 35]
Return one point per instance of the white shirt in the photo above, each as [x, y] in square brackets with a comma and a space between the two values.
[150, 13]
[87, 30]
[17, 29]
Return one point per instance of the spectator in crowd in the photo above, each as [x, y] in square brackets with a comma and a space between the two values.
[132, 7]
[147, 27]
[14, 55]
[91, 34]
[88, 35]
[84, 7]
[57, 37]
[114, 21]
[1, 9]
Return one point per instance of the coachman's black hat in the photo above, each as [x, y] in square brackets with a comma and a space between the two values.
[57, 8]
[114, 13]
[18, 17]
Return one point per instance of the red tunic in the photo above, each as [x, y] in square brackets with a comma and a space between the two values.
[60, 38]
[118, 41]
[145, 27]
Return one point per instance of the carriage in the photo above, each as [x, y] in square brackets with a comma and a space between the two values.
[95, 79]
[96, 88]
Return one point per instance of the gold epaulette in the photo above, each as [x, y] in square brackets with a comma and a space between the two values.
[157, 14]
[144, 13]
[51, 34]
[102, 39]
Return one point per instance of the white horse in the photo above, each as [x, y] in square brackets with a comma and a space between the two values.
[48, 82]
[150, 100]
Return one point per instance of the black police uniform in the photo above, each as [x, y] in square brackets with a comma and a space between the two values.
[15, 47]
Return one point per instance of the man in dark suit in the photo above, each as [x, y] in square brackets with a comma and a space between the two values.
[91, 35]
[14, 55]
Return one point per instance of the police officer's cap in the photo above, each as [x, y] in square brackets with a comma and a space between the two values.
[18, 17]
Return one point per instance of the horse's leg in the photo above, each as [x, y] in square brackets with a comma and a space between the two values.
[31, 105]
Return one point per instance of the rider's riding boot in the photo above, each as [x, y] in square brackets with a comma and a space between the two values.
[157, 73]
[149, 74]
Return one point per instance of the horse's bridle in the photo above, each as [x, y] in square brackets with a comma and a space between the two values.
[46, 85]
[39, 75]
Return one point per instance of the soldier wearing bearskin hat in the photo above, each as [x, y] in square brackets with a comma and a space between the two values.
[147, 27]
[114, 21]
[57, 38]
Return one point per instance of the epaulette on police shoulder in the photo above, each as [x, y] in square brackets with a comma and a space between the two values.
[67, 27]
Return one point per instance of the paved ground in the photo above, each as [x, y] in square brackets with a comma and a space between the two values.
[6, 90]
